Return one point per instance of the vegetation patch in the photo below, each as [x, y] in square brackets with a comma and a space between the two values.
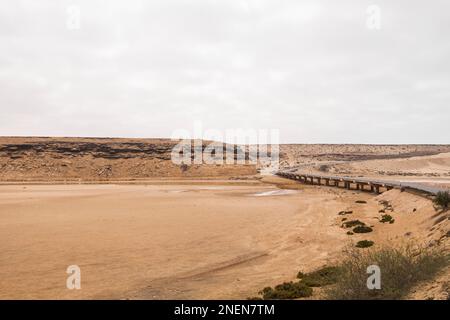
[401, 269]
[442, 199]
[353, 223]
[321, 277]
[362, 229]
[387, 218]
[364, 244]
[360, 201]
[386, 206]
[341, 213]
[350, 233]
[287, 290]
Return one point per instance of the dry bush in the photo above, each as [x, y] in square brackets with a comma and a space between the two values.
[286, 290]
[321, 277]
[401, 269]
[362, 229]
[364, 244]
[442, 199]
[387, 218]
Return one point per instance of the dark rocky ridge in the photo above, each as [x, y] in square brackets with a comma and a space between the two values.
[96, 150]
[80, 159]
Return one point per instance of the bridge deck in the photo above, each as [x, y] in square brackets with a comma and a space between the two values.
[374, 184]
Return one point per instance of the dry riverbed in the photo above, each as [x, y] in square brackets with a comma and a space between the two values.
[163, 241]
[180, 240]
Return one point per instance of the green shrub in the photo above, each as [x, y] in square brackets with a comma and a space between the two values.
[362, 229]
[364, 244]
[442, 199]
[386, 218]
[360, 201]
[353, 223]
[321, 277]
[401, 269]
[287, 290]
[349, 233]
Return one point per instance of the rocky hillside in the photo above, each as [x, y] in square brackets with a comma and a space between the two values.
[99, 159]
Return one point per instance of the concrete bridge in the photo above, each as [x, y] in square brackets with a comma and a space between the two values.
[355, 183]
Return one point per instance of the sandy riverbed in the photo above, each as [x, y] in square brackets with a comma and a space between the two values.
[163, 241]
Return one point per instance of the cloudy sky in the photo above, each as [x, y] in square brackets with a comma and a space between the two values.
[319, 71]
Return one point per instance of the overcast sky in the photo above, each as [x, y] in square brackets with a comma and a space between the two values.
[312, 69]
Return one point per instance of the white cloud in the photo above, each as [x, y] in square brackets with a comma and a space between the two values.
[144, 69]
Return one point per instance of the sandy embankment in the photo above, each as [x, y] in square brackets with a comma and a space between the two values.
[433, 170]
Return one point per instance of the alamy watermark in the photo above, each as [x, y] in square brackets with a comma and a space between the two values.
[228, 147]
[374, 280]
[73, 20]
[74, 279]
[373, 21]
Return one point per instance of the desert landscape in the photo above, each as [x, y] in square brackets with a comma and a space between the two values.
[141, 227]
[224, 159]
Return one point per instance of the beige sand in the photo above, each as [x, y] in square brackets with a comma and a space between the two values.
[209, 240]
[154, 230]
[162, 241]
[434, 165]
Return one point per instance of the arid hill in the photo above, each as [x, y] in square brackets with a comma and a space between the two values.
[102, 159]
[309, 154]
[56, 159]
